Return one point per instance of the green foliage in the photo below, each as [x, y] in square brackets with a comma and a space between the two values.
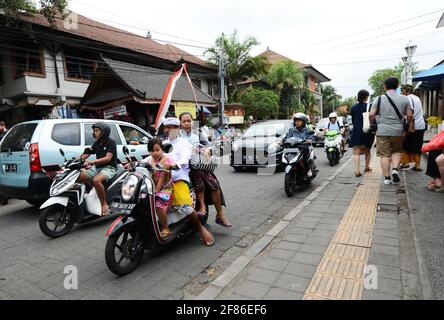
[378, 77]
[236, 55]
[331, 99]
[260, 103]
[286, 78]
[13, 9]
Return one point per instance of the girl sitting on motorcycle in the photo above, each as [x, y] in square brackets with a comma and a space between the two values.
[164, 191]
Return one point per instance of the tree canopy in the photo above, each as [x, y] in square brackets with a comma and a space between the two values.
[260, 103]
[12, 9]
[331, 98]
[236, 55]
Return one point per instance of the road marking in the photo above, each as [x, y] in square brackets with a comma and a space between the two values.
[340, 274]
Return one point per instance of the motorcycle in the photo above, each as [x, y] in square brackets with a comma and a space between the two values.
[138, 229]
[333, 143]
[73, 202]
[295, 173]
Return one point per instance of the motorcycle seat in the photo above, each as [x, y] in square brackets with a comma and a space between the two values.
[117, 176]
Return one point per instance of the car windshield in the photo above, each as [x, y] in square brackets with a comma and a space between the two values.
[266, 129]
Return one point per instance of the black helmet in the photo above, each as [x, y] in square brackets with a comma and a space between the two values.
[104, 128]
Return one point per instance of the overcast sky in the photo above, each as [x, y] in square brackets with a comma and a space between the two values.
[331, 35]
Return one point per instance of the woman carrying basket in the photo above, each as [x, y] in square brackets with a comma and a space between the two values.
[203, 177]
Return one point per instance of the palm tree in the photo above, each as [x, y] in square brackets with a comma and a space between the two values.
[240, 65]
[286, 78]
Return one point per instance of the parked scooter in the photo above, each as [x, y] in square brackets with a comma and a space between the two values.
[138, 229]
[333, 147]
[295, 173]
[73, 202]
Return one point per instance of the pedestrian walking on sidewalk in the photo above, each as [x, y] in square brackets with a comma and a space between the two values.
[360, 141]
[394, 117]
[415, 140]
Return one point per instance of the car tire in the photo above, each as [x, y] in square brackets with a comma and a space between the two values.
[238, 169]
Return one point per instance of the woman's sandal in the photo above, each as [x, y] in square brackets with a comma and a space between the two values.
[209, 243]
[201, 213]
[223, 224]
[433, 187]
[358, 174]
[440, 189]
[368, 170]
[165, 234]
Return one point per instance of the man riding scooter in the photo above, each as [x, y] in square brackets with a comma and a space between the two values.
[300, 130]
[104, 168]
[334, 125]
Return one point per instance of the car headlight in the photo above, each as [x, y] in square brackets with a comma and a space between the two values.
[129, 187]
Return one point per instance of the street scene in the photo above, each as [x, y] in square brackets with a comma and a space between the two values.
[220, 162]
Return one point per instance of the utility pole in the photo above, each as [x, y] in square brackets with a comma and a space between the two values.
[222, 86]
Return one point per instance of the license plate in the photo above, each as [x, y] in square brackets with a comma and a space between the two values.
[122, 208]
[11, 168]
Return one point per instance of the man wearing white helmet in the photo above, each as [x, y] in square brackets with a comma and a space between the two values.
[335, 125]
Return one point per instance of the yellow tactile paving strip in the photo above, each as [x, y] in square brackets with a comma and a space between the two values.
[340, 274]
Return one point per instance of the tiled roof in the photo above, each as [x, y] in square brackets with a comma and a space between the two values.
[274, 57]
[94, 30]
[150, 83]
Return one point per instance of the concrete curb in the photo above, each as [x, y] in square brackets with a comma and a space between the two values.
[423, 274]
[222, 282]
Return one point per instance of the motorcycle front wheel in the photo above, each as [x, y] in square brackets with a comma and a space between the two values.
[56, 221]
[124, 252]
[289, 184]
[331, 158]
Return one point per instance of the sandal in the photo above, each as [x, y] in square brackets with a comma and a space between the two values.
[223, 224]
[433, 187]
[417, 169]
[106, 213]
[440, 190]
[165, 234]
[209, 243]
[201, 213]
[368, 170]
[358, 174]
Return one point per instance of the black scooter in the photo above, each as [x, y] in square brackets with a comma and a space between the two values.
[138, 229]
[295, 173]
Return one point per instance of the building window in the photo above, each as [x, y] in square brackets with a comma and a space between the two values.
[29, 60]
[79, 65]
[197, 83]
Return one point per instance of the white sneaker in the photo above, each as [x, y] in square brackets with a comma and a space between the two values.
[387, 182]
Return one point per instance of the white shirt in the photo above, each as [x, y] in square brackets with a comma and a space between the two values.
[418, 113]
[181, 155]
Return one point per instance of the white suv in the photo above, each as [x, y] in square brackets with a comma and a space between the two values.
[31, 148]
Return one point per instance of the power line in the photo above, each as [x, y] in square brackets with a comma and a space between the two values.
[371, 38]
[372, 29]
[139, 27]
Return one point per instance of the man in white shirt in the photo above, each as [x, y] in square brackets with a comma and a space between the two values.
[414, 141]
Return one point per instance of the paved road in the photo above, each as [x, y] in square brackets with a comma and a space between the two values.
[32, 266]
[429, 219]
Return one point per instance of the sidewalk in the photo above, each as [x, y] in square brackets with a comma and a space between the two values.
[321, 250]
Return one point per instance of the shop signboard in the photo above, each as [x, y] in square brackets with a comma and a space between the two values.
[111, 112]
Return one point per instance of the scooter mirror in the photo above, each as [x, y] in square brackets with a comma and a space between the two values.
[62, 152]
[87, 151]
[125, 150]
[167, 148]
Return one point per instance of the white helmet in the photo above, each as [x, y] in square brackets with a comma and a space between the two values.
[333, 115]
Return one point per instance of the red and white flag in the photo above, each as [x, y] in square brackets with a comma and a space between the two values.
[166, 99]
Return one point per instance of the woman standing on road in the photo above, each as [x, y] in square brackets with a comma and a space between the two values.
[360, 141]
[204, 180]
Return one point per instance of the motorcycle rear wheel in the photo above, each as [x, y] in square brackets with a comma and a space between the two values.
[126, 252]
[53, 218]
